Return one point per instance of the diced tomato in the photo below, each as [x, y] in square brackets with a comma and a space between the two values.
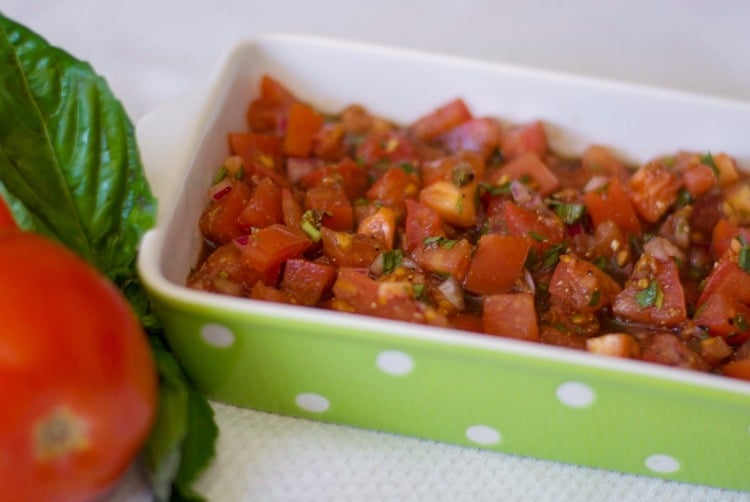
[456, 205]
[612, 203]
[512, 315]
[382, 225]
[219, 221]
[600, 161]
[529, 169]
[268, 293]
[350, 250]
[723, 233]
[347, 175]
[445, 257]
[724, 316]
[271, 246]
[728, 278]
[393, 188]
[390, 147]
[291, 209]
[441, 120]
[356, 292]
[422, 222]
[582, 286]
[698, 179]
[458, 169]
[263, 208]
[267, 114]
[467, 321]
[480, 136]
[737, 369]
[333, 204]
[224, 272]
[302, 127]
[328, 143]
[653, 294]
[519, 140]
[497, 263]
[542, 230]
[261, 149]
[667, 349]
[728, 173]
[653, 190]
[307, 281]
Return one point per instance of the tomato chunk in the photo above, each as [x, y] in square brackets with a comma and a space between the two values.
[333, 205]
[219, 221]
[263, 208]
[307, 281]
[304, 123]
[443, 256]
[653, 190]
[441, 120]
[497, 263]
[529, 169]
[580, 285]
[344, 249]
[523, 139]
[612, 203]
[422, 222]
[512, 315]
[726, 317]
[481, 136]
[272, 246]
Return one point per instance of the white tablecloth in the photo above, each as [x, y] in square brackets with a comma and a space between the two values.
[154, 51]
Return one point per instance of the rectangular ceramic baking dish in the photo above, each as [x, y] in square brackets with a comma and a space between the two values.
[467, 389]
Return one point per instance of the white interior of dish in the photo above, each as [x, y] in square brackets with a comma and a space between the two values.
[638, 122]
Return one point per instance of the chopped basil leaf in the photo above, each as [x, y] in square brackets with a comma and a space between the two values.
[600, 262]
[220, 175]
[651, 296]
[417, 291]
[391, 260]
[409, 168]
[683, 197]
[552, 255]
[491, 189]
[708, 160]
[536, 236]
[462, 174]
[596, 297]
[569, 213]
[741, 322]
[443, 242]
[743, 258]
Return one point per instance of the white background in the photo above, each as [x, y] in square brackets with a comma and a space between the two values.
[153, 52]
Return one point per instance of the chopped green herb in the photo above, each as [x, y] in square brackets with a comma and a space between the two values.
[503, 189]
[708, 160]
[409, 168]
[526, 179]
[552, 255]
[569, 213]
[741, 322]
[651, 296]
[743, 258]
[443, 242]
[417, 291]
[240, 174]
[391, 260]
[683, 197]
[462, 174]
[536, 236]
[311, 222]
[600, 262]
[220, 175]
[596, 297]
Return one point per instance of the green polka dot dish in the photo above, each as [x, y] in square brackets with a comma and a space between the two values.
[468, 389]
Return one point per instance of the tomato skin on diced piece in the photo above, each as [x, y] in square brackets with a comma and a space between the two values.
[382, 225]
[542, 230]
[612, 203]
[523, 139]
[598, 160]
[653, 294]
[302, 127]
[580, 285]
[653, 190]
[456, 205]
[393, 188]
[224, 272]
[422, 222]
[447, 258]
[722, 235]
[497, 264]
[263, 208]
[333, 205]
[728, 278]
[306, 281]
[271, 246]
[724, 316]
[268, 113]
[511, 315]
[480, 136]
[345, 249]
[737, 369]
[219, 221]
[528, 166]
[441, 120]
[347, 175]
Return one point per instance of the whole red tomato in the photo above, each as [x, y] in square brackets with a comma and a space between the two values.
[77, 379]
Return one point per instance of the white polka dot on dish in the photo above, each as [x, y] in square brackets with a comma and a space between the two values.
[315, 403]
[575, 394]
[395, 362]
[217, 335]
[483, 435]
[663, 464]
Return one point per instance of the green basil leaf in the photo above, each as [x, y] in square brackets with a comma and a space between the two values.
[69, 164]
